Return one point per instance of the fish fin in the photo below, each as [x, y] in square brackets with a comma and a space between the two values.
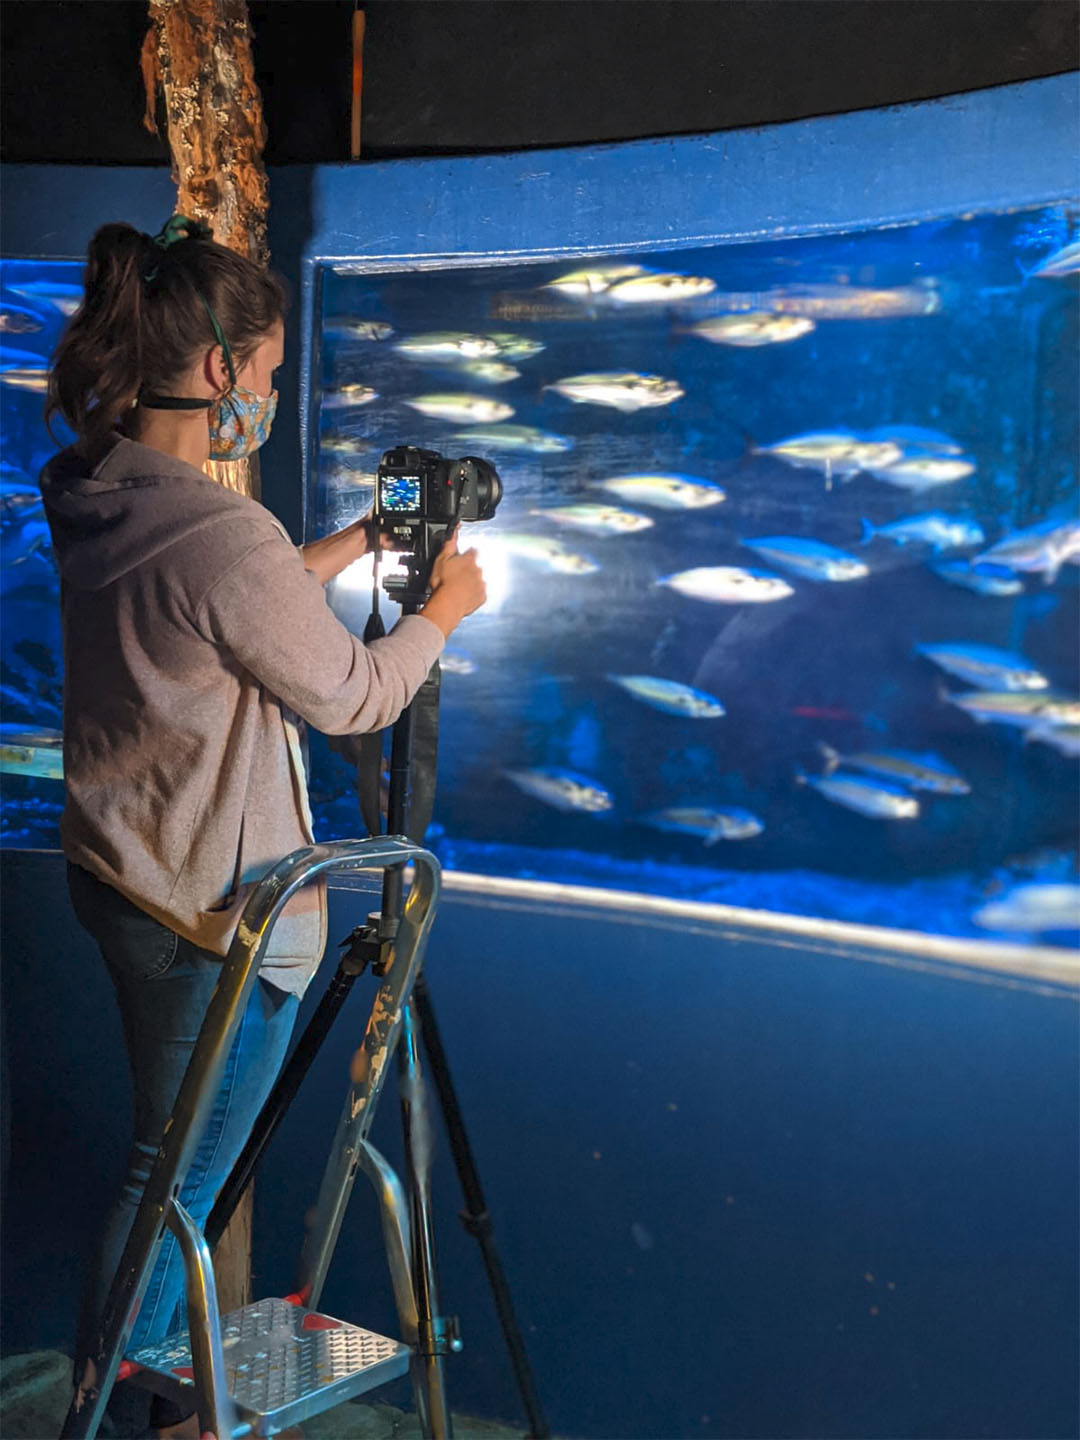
[801, 777]
[830, 756]
[715, 834]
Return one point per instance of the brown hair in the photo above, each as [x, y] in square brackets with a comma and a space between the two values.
[141, 322]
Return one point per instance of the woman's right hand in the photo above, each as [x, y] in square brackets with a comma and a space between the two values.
[457, 586]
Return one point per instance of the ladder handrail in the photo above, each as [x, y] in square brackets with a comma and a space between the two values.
[183, 1130]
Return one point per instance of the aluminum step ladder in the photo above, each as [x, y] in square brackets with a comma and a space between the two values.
[276, 1362]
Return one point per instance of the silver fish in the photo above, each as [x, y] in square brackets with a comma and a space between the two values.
[920, 472]
[917, 772]
[670, 696]
[1033, 909]
[936, 529]
[875, 798]
[448, 345]
[563, 789]
[1065, 739]
[983, 579]
[915, 440]
[624, 390]
[343, 325]
[514, 347]
[348, 395]
[1065, 261]
[595, 280]
[711, 825]
[853, 302]
[1022, 708]
[665, 492]
[597, 519]
[1044, 548]
[66, 298]
[517, 437]
[839, 453]
[17, 320]
[463, 409]
[19, 501]
[552, 554]
[491, 372]
[985, 665]
[751, 328]
[659, 288]
[728, 585]
[810, 558]
[344, 444]
[941, 531]
[25, 377]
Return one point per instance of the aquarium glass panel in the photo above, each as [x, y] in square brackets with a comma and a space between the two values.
[36, 299]
[783, 584]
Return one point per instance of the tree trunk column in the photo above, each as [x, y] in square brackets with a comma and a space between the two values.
[197, 55]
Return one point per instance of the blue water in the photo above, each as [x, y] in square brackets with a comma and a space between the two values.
[987, 358]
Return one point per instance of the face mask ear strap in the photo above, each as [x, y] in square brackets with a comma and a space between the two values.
[220, 335]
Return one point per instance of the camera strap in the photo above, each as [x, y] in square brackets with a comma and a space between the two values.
[365, 753]
[425, 754]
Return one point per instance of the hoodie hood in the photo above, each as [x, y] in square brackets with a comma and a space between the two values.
[122, 505]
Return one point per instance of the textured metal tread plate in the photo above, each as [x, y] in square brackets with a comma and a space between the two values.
[284, 1363]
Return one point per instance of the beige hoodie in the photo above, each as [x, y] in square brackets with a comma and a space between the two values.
[193, 639]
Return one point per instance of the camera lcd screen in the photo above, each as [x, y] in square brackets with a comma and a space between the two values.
[399, 493]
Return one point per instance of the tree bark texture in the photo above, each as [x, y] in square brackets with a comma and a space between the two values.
[197, 54]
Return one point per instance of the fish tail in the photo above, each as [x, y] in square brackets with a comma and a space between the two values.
[868, 532]
[830, 756]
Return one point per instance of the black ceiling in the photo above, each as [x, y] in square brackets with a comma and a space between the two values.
[456, 76]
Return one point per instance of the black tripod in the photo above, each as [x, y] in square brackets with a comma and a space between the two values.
[369, 945]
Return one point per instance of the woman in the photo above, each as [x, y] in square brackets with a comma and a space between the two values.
[196, 639]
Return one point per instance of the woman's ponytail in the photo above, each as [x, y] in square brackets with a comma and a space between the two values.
[96, 368]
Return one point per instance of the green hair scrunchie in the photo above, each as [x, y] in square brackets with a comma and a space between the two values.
[178, 227]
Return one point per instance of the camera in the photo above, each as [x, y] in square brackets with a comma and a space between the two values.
[420, 495]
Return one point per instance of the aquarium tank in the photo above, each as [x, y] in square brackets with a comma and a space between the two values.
[783, 585]
[36, 300]
[782, 588]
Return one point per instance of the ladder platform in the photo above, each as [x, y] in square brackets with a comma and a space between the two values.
[283, 1363]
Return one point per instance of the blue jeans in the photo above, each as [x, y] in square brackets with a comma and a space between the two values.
[163, 984]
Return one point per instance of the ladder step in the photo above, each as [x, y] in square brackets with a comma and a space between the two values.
[283, 1363]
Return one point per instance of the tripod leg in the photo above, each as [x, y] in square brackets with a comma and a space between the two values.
[475, 1217]
[428, 1379]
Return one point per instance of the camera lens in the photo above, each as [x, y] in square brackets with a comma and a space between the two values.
[489, 489]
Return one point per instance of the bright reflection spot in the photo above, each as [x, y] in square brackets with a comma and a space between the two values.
[358, 575]
[490, 552]
[494, 562]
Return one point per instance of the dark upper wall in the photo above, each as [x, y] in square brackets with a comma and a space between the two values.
[443, 76]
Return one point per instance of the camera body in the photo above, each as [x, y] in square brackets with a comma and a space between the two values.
[420, 495]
